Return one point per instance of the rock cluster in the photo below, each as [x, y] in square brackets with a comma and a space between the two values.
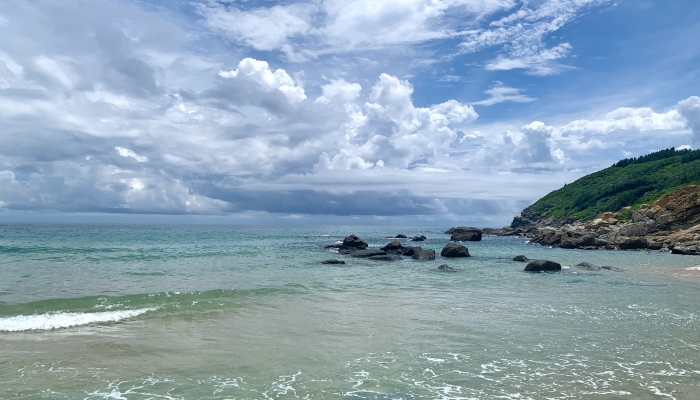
[672, 223]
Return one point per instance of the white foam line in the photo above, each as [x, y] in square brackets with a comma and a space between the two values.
[58, 320]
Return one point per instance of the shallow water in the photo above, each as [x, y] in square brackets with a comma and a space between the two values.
[140, 312]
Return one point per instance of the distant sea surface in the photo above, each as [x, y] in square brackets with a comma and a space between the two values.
[248, 312]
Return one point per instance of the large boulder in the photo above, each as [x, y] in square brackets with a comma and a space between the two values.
[450, 231]
[466, 236]
[409, 251]
[453, 250]
[542, 265]
[354, 242]
[423, 255]
[686, 251]
[634, 244]
[393, 246]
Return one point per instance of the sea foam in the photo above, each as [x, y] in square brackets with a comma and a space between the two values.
[58, 320]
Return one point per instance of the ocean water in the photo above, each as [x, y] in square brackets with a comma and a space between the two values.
[247, 312]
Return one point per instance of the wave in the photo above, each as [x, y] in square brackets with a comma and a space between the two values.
[57, 320]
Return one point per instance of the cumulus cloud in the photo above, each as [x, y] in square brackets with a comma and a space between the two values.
[260, 73]
[627, 119]
[690, 110]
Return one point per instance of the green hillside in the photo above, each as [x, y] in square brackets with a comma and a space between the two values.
[629, 182]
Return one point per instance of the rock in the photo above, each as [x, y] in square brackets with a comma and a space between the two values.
[367, 253]
[449, 231]
[385, 257]
[453, 250]
[400, 236]
[521, 258]
[332, 262]
[354, 242]
[423, 255]
[466, 234]
[686, 251]
[446, 268]
[409, 251]
[588, 266]
[334, 246]
[420, 238]
[393, 246]
[655, 246]
[609, 268]
[466, 237]
[542, 265]
[634, 244]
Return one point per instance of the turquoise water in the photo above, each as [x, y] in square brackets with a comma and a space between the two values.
[217, 312]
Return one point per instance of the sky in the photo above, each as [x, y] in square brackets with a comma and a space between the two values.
[394, 112]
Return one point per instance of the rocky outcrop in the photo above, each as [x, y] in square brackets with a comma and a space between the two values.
[672, 223]
[542, 266]
[454, 250]
[465, 234]
[393, 246]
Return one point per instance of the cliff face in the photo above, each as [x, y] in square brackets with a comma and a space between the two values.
[672, 222]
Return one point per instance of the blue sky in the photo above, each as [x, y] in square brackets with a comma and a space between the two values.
[403, 112]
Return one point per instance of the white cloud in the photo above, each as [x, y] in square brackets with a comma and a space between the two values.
[260, 73]
[129, 153]
[521, 36]
[501, 93]
[627, 119]
[339, 90]
[690, 110]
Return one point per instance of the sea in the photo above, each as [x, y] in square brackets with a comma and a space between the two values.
[100, 311]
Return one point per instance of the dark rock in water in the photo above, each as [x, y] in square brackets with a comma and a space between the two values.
[542, 265]
[686, 251]
[588, 266]
[393, 246]
[346, 250]
[634, 244]
[521, 258]
[385, 257]
[367, 253]
[332, 262]
[466, 237]
[453, 250]
[420, 238]
[465, 234]
[409, 251]
[423, 255]
[400, 236]
[354, 242]
[334, 246]
[450, 231]
[446, 268]
[609, 268]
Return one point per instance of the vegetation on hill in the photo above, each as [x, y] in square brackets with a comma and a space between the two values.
[629, 182]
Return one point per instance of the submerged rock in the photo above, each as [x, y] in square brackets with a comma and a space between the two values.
[401, 236]
[542, 265]
[333, 262]
[521, 258]
[609, 268]
[446, 268]
[367, 253]
[453, 250]
[384, 257]
[420, 238]
[588, 266]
